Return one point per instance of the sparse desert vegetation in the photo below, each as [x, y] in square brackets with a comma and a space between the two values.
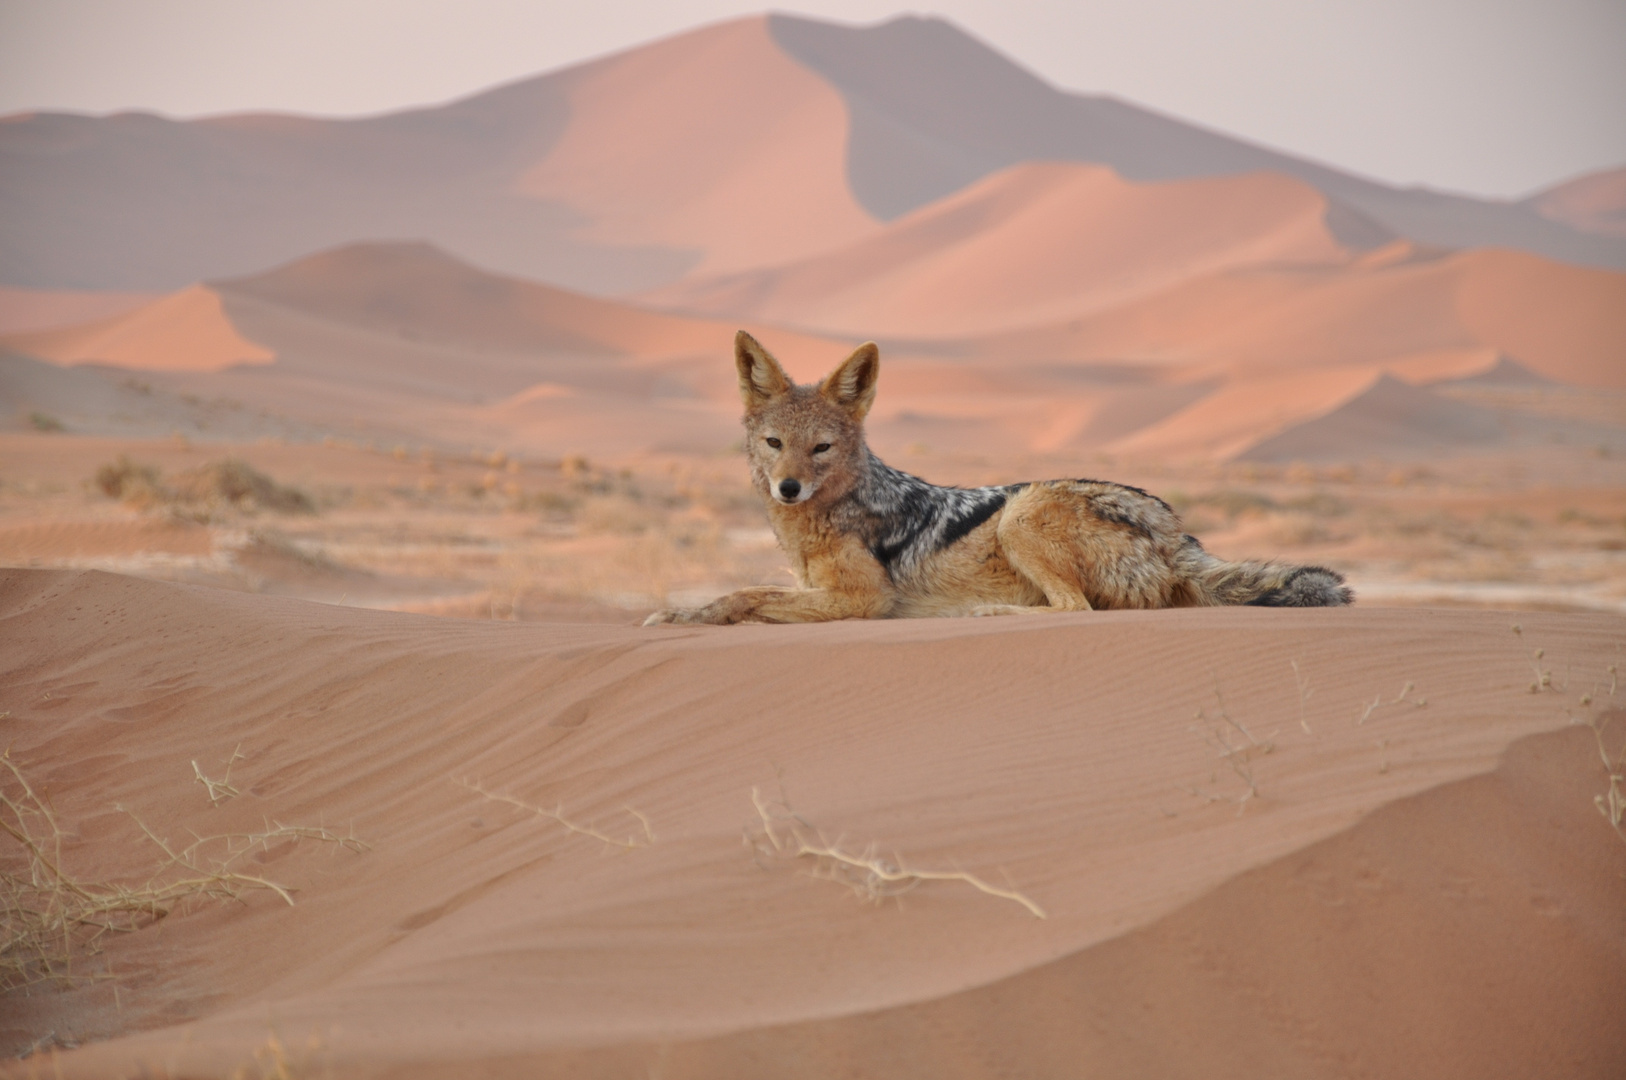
[495, 535]
[53, 920]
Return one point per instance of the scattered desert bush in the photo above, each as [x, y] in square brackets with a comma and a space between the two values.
[45, 422]
[241, 486]
[199, 493]
[130, 482]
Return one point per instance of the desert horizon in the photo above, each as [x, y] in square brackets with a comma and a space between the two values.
[340, 460]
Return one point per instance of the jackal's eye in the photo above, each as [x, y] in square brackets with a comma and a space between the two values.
[775, 443]
[821, 448]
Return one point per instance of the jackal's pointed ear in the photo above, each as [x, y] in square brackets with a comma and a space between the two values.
[761, 377]
[852, 385]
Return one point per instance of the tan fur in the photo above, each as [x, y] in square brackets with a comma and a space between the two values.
[1057, 545]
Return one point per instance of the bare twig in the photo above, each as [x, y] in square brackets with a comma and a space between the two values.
[220, 790]
[557, 815]
[275, 1060]
[1303, 684]
[870, 876]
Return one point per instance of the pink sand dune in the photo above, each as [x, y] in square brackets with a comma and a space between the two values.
[713, 142]
[1566, 323]
[1033, 243]
[186, 331]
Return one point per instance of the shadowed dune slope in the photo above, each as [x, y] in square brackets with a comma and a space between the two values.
[1070, 757]
[1406, 421]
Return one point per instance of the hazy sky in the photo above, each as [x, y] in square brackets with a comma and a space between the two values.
[1494, 97]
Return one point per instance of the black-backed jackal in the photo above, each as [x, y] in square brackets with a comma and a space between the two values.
[869, 542]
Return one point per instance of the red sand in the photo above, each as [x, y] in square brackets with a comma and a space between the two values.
[1374, 906]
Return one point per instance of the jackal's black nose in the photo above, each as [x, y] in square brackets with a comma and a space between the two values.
[789, 489]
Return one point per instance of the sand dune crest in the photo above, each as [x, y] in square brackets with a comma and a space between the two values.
[1057, 754]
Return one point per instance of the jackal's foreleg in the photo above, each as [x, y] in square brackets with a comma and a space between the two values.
[777, 604]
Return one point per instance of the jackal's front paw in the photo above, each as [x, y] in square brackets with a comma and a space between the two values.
[984, 610]
[687, 616]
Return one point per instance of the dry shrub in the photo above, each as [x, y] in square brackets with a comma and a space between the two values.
[53, 919]
[130, 482]
[241, 486]
[218, 486]
[1612, 803]
[273, 1060]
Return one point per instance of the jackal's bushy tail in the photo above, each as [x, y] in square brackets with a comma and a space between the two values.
[1264, 584]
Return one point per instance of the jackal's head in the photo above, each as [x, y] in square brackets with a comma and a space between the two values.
[805, 442]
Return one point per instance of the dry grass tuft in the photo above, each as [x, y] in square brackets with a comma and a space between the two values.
[1238, 747]
[1378, 702]
[1612, 803]
[557, 815]
[272, 1060]
[53, 919]
[871, 877]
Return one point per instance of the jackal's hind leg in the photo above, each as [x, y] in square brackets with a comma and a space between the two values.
[1038, 536]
